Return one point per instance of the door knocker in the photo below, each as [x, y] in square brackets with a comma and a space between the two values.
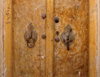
[67, 37]
[30, 36]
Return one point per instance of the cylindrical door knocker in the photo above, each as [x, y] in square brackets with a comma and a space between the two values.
[67, 37]
[30, 36]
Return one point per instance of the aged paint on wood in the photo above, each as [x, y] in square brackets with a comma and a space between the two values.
[72, 63]
[28, 62]
[22, 61]
[49, 38]
[8, 38]
[92, 38]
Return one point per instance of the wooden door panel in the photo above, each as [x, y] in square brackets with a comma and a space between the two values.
[72, 63]
[28, 62]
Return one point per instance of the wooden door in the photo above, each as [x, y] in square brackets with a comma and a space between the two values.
[28, 62]
[72, 63]
[49, 57]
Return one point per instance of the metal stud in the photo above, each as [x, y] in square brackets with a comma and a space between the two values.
[56, 19]
[57, 39]
[57, 33]
[43, 36]
[43, 16]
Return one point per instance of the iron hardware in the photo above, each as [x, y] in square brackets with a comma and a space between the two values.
[56, 19]
[57, 39]
[43, 36]
[43, 16]
[57, 33]
[30, 36]
[67, 37]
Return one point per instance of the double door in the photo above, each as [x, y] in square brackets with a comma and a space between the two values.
[50, 38]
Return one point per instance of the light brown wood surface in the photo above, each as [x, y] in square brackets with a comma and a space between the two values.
[49, 38]
[72, 63]
[49, 58]
[92, 38]
[8, 38]
[28, 62]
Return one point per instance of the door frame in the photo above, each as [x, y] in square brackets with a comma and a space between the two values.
[92, 60]
[92, 38]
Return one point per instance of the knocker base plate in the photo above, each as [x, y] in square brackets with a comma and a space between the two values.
[30, 36]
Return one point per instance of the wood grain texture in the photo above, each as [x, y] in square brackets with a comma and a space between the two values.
[92, 38]
[72, 63]
[49, 58]
[49, 38]
[28, 62]
[8, 38]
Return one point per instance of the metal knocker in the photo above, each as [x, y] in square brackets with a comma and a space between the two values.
[30, 36]
[67, 37]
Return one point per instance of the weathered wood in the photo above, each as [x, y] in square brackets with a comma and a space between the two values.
[22, 61]
[49, 38]
[42, 30]
[72, 63]
[28, 61]
[8, 38]
[92, 38]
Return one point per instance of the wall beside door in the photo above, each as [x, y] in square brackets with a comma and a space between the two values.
[1, 38]
[98, 39]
